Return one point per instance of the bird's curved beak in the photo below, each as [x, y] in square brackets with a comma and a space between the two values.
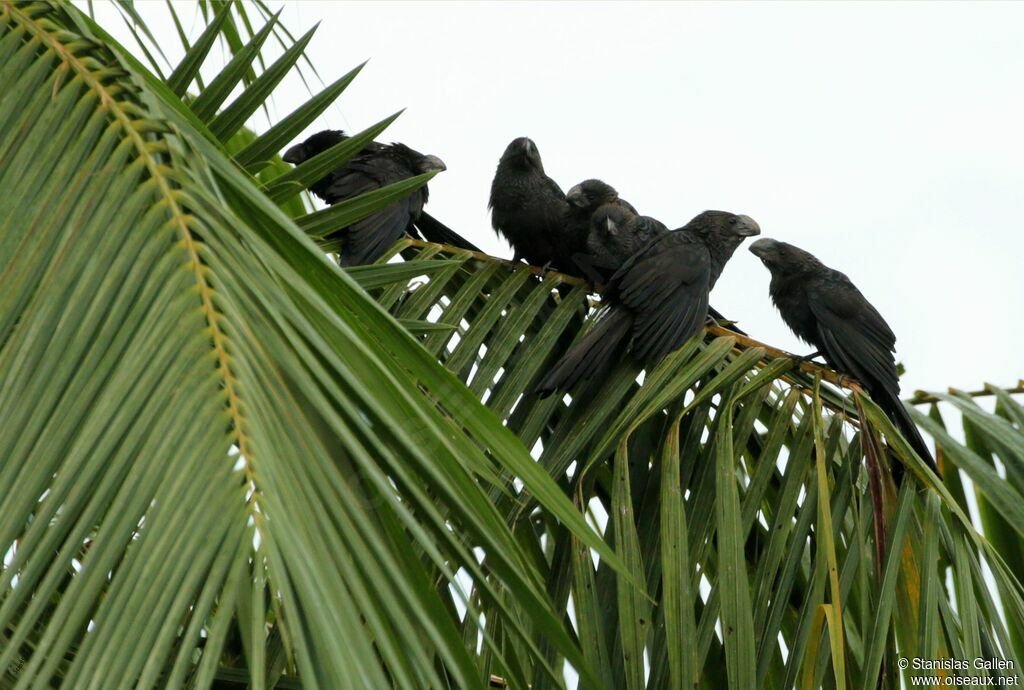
[747, 227]
[294, 155]
[576, 197]
[763, 247]
[431, 163]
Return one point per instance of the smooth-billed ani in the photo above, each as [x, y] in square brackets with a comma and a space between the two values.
[825, 309]
[376, 166]
[529, 209]
[657, 300]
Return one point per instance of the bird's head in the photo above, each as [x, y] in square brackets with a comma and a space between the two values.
[317, 143]
[722, 232]
[591, 194]
[782, 258]
[430, 164]
[522, 152]
[724, 226]
[609, 220]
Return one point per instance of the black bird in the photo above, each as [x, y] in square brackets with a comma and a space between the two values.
[826, 310]
[376, 166]
[657, 300]
[530, 210]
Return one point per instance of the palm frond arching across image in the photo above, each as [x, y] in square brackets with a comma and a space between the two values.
[227, 461]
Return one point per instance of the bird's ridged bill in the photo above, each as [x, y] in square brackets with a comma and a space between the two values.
[434, 163]
[763, 246]
[294, 155]
[747, 227]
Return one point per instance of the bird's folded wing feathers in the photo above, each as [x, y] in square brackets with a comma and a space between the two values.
[365, 173]
[675, 323]
[348, 184]
[370, 237]
[854, 335]
[660, 269]
[666, 288]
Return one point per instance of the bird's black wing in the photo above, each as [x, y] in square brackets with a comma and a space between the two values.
[366, 172]
[666, 287]
[852, 335]
[347, 183]
[368, 239]
[857, 341]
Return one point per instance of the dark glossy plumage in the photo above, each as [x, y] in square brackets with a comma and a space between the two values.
[657, 300]
[825, 309]
[376, 166]
[529, 209]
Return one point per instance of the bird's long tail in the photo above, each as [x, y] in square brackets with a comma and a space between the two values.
[434, 230]
[592, 355]
[893, 407]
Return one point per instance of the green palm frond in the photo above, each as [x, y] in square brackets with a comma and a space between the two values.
[221, 423]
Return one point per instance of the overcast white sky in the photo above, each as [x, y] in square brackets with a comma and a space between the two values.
[886, 138]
